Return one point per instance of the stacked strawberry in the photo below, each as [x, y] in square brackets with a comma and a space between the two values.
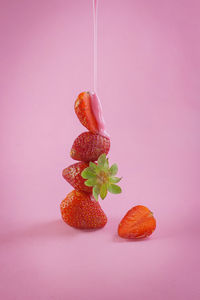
[91, 176]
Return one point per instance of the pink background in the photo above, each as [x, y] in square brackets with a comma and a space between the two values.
[149, 71]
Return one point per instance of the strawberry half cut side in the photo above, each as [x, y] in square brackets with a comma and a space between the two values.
[83, 110]
[138, 223]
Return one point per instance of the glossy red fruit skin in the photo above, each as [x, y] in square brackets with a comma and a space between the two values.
[89, 146]
[82, 211]
[83, 110]
[72, 175]
[138, 222]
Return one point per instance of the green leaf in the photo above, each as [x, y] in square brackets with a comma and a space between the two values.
[103, 191]
[93, 167]
[114, 179]
[102, 159]
[90, 182]
[106, 165]
[97, 189]
[114, 189]
[95, 192]
[87, 173]
[113, 170]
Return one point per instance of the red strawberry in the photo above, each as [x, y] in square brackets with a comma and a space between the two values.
[89, 146]
[83, 110]
[81, 211]
[139, 222]
[73, 175]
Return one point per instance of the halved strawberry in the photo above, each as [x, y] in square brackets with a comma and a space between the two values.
[139, 222]
[73, 175]
[89, 146]
[83, 110]
[81, 211]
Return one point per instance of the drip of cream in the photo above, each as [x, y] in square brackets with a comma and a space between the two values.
[95, 102]
[97, 111]
[95, 2]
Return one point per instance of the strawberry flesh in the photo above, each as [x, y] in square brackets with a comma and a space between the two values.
[83, 110]
[139, 222]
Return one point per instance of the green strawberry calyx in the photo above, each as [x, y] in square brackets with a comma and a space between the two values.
[102, 177]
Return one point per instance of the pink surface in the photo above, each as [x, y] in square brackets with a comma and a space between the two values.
[149, 70]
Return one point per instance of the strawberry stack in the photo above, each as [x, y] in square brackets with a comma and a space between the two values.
[80, 208]
[92, 177]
